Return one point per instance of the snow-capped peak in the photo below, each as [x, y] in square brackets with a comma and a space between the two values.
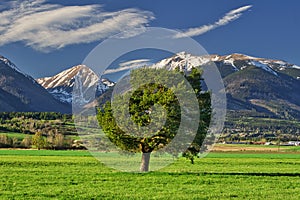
[66, 78]
[185, 61]
[182, 61]
[61, 85]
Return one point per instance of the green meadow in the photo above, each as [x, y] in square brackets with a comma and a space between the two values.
[32, 174]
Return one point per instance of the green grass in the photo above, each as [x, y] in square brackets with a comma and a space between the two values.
[285, 148]
[31, 152]
[248, 145]
[31, 174]
[294, 149]
[19, 136]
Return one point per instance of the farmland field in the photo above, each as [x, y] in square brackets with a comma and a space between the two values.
[19, 136]
[31, 174]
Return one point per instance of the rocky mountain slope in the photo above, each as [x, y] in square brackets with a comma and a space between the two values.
[20, 92]
[254, 86]
[61, 85]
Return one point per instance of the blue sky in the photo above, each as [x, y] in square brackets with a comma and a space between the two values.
[45, 37]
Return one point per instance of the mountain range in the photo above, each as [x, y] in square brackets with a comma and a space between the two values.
[254, 86]
[20, 92]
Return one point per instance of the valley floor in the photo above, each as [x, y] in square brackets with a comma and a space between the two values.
[45, 174]
[255, 148]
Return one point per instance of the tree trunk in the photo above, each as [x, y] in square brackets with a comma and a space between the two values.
[192, 160]
[145, 162]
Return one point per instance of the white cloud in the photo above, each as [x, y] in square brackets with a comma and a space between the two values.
[229, 17]
[131, 62]
[47, 27]
[129, 65]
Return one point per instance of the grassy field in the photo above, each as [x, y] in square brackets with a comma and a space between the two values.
[31, 174]
[255, 148]
[19, 136]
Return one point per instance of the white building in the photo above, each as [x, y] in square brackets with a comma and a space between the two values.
[294, 143]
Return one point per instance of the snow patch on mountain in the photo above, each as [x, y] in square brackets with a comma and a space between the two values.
[230, 61]
[185, 61]
[295, 67]
[66, 78]
[61, 95]
[61, 85]
[107, 83]
[280, 62]
[182, 61]
[263, 66]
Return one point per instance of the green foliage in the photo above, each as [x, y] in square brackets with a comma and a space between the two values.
[141, 106]
[29, 123]
[5, 141]
[257, 128]
[58, 128]
[27, 141]
[38, 140]
[35, 115]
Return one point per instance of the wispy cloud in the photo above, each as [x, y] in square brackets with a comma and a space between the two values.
[129, 65]
[46, 27]
[229, 17]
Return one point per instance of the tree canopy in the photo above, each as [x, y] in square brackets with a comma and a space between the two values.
[152, 113]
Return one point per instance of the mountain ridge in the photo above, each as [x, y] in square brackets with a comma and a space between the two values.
[255, 86]
[61, 84]
[20, 92]
[267, 86]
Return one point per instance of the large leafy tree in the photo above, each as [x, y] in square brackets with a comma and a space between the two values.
[143, 112]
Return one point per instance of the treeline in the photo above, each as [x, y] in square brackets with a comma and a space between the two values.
[262, 125]
[35, 115]
[32, 122]
[21, 130]
[40, 141]
[260, 129]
